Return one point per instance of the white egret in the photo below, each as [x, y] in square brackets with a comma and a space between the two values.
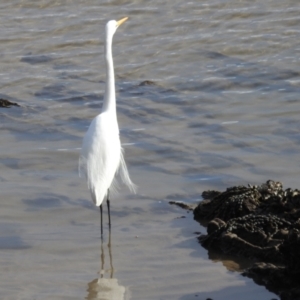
[101, 154]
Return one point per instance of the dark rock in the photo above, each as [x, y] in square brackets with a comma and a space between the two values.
[147, 82]
[6, 103]
[234, 202]
[276, 279]
[182, 205]
[260, 223]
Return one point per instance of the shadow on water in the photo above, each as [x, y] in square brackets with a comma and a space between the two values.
[242, 74]
[106, 287]
[11, 237]
[34, 59]
[12, 243]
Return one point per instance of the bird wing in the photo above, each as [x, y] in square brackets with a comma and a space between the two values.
[100, 156]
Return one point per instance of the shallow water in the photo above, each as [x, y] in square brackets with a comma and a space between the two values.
[223, 110]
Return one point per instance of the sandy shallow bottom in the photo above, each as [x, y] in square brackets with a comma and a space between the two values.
[55, 252]
[159, 260]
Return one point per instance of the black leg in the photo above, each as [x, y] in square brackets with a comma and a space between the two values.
[108, 208]
[102, 271]
[110, 255]
[101, 223]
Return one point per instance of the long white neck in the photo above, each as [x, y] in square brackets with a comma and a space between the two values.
[109, 103]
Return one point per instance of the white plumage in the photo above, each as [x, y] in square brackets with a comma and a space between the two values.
[101, 155]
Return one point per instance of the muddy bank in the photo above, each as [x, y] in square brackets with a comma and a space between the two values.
[261, 223]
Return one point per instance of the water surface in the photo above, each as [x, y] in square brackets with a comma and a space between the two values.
[223, 110]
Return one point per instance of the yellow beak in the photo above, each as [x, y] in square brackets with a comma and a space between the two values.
[121, 21]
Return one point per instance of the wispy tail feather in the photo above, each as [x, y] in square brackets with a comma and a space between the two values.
[125, 175]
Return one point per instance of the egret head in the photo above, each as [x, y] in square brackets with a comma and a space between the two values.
[112, 26]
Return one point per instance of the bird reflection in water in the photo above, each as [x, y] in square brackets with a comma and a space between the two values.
[106, 287]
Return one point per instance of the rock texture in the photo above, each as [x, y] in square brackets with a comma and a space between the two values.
[6, 103]
[261, 223]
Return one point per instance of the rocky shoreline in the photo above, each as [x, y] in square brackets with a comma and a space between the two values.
[261, 223]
